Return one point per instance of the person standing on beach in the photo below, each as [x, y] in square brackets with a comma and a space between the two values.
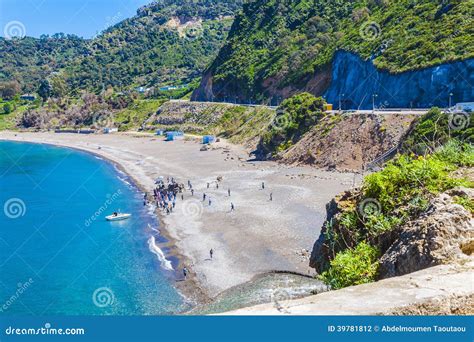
[271, 196]
[263, 185]
[232, 208]
[185, 273]
[228, 192]
[210, 202]
[203, 197]
[211, 253]
[217, 186]
[192, 192]
[208, 185]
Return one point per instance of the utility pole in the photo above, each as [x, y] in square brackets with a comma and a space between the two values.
[340, 102]
[373, 102]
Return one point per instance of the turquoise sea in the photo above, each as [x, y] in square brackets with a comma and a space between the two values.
[58, 254]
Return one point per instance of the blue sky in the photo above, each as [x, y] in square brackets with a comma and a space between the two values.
[81, 17]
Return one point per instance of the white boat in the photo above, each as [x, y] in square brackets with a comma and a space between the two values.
[118, 217]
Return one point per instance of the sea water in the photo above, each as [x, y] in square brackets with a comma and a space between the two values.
[59, 255]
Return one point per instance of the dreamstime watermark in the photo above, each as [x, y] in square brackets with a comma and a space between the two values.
[103, 297]
[22, 287]
[14, 208]
[111, 21]
[370, 30]
[369, 207]
[192, 208]
[46, 330]
[193, 30]
[14, 29]
[108, 202]
[280, 297]
[459, 121]
[281, 120]
[102, 120]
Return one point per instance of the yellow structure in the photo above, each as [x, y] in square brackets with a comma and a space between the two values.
[328, 107]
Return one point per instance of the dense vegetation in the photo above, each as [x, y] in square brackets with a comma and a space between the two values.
[436, 128]
[353, 267]
[279, 43]
[27, 61]
[168, 42]
[389, 198]
[294, 117]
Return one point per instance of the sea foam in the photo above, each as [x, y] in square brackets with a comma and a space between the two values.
[165, 263]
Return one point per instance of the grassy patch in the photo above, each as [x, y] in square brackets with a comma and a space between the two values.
[353, 267]
[135, 114]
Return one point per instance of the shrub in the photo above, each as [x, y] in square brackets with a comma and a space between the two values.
[353, 267]
[8, 108]
[294, 118]
[456, 153]
[466, 202]
[433, 130]
[406, 177]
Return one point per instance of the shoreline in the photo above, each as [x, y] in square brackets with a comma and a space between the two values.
[191, 290]
[270, 232]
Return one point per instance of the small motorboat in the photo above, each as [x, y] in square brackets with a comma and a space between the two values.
[118, 217]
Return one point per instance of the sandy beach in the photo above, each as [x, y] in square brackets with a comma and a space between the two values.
[259, 236]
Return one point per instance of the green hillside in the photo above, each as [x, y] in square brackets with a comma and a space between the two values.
[279, 43]
[29, 60]
[167, 42]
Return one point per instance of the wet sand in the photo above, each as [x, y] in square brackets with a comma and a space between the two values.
[259, 236]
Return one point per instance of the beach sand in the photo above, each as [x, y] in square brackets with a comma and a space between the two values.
[259, 236]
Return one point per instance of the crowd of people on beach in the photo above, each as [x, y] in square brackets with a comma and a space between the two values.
[165, 195]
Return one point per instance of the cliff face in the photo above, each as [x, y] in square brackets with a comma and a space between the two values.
[443, 234]
[348, 142]
[358, 80]
[281, 47]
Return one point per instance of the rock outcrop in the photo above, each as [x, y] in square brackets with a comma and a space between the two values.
[443, 234]
[349, 142]
[359, 80]
[425, 88]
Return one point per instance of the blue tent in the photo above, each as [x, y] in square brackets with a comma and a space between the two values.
[208, 139]
[171, 136]
[159, 132]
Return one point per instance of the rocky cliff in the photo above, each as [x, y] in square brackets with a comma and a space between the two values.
[354, 82]
[443, 234]
[411, 53]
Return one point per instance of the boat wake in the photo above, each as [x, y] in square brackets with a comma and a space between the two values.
[165, 263]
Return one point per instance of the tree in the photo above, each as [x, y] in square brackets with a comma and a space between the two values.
[8, 108]
[44, 90]
[58, 86]
[9, 89]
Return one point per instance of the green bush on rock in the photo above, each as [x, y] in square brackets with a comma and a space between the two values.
[296, 116]
[353, 267]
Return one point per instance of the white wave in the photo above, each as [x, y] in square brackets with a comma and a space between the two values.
[124, 180]
[165, 263]
[153, 228]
